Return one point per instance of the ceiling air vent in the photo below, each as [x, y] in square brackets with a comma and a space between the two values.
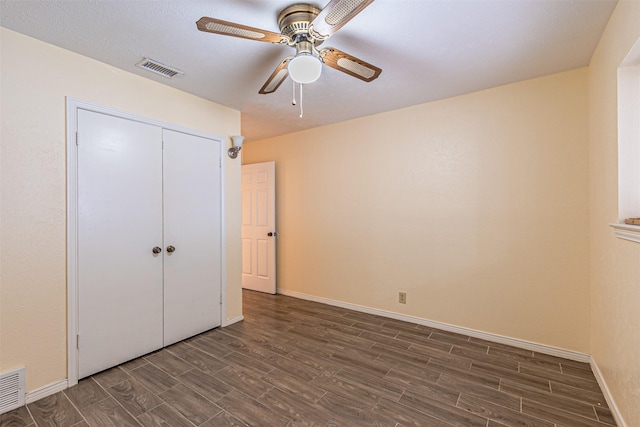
[158, 68]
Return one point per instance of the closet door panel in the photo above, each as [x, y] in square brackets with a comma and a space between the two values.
[119, 223]
[192, 225]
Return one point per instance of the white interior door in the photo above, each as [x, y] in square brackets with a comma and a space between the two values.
[192, 228]
[119, 223]
[259, 227]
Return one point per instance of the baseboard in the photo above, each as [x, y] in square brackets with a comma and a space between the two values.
[607, 393]
[231, 321]
[515, 342]
[45, 391]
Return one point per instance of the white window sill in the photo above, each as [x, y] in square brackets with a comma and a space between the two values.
[627, 232]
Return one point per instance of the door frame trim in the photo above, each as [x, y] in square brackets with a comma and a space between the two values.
[72, 107]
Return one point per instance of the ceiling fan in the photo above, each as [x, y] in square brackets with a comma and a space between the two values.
[304, 27]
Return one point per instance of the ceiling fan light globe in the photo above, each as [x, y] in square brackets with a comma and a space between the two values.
[305, 69]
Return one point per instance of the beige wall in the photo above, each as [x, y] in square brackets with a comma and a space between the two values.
[615, 263]
[476, 206]
[35, 79]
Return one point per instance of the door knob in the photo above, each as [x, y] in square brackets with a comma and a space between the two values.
[272, 234]
[171, 249]
[157, 250]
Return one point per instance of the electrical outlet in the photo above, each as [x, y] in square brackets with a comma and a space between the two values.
[402, 297]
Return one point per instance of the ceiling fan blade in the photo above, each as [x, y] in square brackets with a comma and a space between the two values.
[335, 15]
[218, 26]
[349, 64]
[276, 78]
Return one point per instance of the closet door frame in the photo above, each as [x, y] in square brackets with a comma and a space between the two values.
[72, 107]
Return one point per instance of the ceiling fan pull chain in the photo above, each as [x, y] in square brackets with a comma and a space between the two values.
[301, 110]
[293, 100]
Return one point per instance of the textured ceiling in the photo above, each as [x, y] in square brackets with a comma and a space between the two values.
[427, 49]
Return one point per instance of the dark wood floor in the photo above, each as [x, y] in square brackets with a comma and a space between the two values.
[296, 363]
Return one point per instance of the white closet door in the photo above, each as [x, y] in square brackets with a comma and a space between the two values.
[119, 224]
[192, 225]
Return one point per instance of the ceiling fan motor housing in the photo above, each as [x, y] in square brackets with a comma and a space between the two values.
[294, 21]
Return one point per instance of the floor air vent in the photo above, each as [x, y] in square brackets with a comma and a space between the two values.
[11, 390]
[158, 68]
